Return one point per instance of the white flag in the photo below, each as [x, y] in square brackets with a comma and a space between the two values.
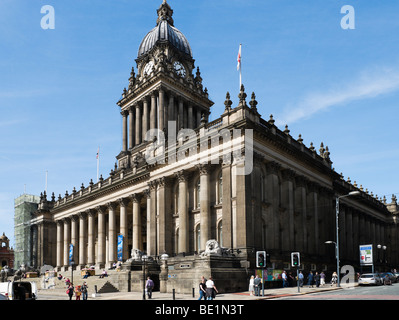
[239, 59]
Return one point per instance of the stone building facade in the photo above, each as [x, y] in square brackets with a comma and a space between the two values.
[181, 181]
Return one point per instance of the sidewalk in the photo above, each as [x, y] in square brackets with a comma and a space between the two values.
[268, 294]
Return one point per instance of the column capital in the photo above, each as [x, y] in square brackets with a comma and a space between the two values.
[164, 182]
[147, 193]
[152, 185]
[182, 175]
[100, 209]
[123, 202]
[91, 213]
[124, 113]
[204, 169]
[136, 197]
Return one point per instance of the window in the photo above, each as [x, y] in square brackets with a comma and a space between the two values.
[220, 187]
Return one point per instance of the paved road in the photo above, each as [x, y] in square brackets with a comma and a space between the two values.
[355, 293]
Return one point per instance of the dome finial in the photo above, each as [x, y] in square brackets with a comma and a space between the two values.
[165, 12]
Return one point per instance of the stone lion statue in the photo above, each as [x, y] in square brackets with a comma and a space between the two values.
[212, 248]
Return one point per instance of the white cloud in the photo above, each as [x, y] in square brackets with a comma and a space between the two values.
[369, 84]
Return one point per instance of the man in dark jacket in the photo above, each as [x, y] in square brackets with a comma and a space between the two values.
[257, 285]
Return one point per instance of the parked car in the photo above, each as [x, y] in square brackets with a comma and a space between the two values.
[396, 274]
[388, 278]
[370, 279]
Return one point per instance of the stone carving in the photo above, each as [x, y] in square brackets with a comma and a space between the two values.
[212, 248]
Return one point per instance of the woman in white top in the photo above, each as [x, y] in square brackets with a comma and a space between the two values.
[210, 289]
[251, 286]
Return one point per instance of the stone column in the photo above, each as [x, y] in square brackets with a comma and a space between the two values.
[180, 115]
[273, 236]
[198, 117]
[161, 111]
[137, 243]
[183, 212]
[287, 217]
[165, 216]
[82, 239]
[75, 238]
[300, 214]
[153, 111]
[67, 241]
[60, 242]
[124, 131]
[152, 232]
[132, 139]
[138, 125]
[111, 233]
[205, 221]
[101, 238]
[171, 108]
[145, 118]
[190, 116]
[226, 206]
[124, 227]
[91, 214]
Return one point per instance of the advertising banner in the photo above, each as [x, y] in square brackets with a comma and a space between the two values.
[366, 254]
[70, 253]
[120, 247]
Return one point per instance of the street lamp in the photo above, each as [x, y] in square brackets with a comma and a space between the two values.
[352, 193]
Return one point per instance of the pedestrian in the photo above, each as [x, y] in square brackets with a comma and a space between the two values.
[310, 279]
[317, 279]
[78, 292]
[257, 282]
[149, 286]
[285, 280]
[210, 289]
[202, 289]
[251, 286]
[322, 278]
[70, 291]
[334, 279]
[84, 290]
[300, 279]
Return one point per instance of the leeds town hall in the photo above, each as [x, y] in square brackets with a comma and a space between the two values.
[189, 197]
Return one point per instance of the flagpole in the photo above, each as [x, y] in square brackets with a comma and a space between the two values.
[98, 162]
[239, 64]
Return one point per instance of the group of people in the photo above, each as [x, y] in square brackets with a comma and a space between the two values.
[78, 291]
[316, 279]
[207, 289]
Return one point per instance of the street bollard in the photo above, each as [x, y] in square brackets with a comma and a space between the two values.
[193, 292]
[173, 294]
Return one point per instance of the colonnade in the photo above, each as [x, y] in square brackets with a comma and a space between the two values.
[153, 112]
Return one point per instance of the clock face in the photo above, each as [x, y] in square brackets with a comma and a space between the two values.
[148, 68]
[179, 68]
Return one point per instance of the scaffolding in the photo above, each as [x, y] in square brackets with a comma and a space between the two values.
[24, 207]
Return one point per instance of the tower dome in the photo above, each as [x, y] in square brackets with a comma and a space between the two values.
[165, 32]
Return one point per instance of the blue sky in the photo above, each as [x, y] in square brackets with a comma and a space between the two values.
[59, 88]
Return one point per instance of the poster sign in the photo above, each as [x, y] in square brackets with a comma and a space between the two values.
[120, 247]
[366, 254]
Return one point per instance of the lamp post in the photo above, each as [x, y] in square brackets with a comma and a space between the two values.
[144, 259]
[352, 193]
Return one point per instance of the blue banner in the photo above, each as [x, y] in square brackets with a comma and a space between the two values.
[120, 247]
[70, 253]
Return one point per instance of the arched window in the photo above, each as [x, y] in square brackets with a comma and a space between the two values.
[220, 187]
[198, 194]
[220, 233]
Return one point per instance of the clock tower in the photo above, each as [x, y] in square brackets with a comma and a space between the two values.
[167, 87]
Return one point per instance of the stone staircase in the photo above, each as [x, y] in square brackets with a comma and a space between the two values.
[103, 285]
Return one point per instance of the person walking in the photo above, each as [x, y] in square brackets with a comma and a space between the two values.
[78, 292]
[285, 280]
[322, 278]
[210, 289]
[251, 285]
[310, 279]
[70, 291]
[257, 285]
[300, 279]
[84, 290]
[202, 289]
[334, 278]
[149, 286]
[317, 279]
